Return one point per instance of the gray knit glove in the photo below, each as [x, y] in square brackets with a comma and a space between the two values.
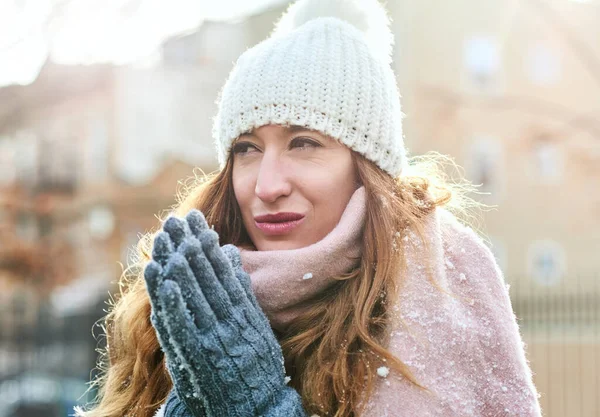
[222, 355]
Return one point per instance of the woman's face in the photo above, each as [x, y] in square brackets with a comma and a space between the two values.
[292, 185]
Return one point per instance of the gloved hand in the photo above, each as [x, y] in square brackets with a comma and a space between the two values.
[222, 355]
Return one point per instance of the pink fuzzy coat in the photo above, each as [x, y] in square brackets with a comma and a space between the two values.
[466, 350]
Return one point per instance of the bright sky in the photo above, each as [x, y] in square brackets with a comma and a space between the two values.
[88, 31]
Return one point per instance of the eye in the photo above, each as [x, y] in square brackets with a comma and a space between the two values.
[304, 143]
[243, 148]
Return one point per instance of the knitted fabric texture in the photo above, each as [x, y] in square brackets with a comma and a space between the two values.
[466, 350]
[288, 405]
[221, 353]
[326, 75]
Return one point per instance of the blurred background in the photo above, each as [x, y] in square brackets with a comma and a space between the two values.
[105, 105]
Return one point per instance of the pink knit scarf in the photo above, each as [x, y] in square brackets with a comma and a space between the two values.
[284, 281]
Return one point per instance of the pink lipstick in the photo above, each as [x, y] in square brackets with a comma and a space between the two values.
[279, 223]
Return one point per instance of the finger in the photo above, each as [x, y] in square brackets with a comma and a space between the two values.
[175, 311]
[184, 337]
[259, 327]
[179, 273]
[154, 281]
[256, 317]
[162, 248]
[153, 277]
[233, 253]
[196, 222]
[178, 365]
[222, 267]
[202, 351]
[177, 230]
[162, 334]
[206, 279]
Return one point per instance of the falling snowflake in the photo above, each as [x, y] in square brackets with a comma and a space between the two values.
[383, 371]
[307, 276]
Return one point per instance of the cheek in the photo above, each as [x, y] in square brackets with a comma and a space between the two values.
[344, 176]
[331, 190]
[242, 189]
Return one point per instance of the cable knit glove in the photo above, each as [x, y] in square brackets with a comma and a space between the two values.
[222, 355]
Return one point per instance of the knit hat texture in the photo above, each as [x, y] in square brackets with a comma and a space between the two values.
[326, 67]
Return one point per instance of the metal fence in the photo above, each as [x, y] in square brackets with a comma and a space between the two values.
[561, 328]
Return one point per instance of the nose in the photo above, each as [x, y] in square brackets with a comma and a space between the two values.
[272, 181]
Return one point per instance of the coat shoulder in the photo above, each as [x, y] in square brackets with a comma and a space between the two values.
[470, 265]
[464, 245]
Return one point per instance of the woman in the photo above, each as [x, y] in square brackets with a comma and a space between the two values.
[375, 298]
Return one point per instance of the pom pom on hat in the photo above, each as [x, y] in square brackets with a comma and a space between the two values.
[368, 16]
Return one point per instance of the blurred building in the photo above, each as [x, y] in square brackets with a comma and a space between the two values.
[53, 181]
[510, 90]
[89, 155]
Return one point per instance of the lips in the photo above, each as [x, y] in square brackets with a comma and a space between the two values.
[279, 223]
[278, 218]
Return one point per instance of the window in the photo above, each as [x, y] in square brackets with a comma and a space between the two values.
[546, 262]
[546, 162]
[26, 227]
[485, 161]
[8, 171]
[57, 167]
[26, 157]
[542, 64]
[482, 63]
[101, 222]
[97, 149]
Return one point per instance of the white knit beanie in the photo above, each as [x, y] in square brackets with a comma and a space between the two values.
[325, 67]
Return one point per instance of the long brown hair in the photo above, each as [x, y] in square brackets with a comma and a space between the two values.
[331, 351]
